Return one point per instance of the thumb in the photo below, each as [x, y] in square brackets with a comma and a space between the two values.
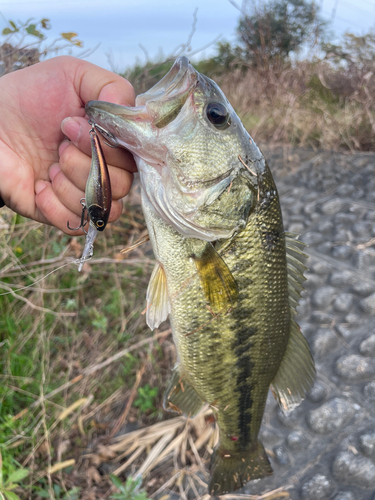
[94, 83]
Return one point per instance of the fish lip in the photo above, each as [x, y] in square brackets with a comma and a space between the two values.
[113, 109]
[168, 84]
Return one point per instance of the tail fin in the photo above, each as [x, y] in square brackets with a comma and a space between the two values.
[232, 470]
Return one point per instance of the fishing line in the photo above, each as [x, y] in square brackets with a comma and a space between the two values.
[77, 262]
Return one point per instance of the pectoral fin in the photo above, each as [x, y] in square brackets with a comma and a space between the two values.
[181, 396]
[158, 304]
[219, 286]
[296, 373]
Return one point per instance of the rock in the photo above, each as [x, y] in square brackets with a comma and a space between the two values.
[325, 248]
[325, 341]
[318, 487]
[296, 227]
[326, 227]
[354, 319]
[344, 495]
[324, 296]
[303, 307]
[342, 252]
[362, 260]
[345, 189]
[312, 238]
[310, 208]
[354, 470]
[358, 194]
[354, 368]
[367, 443]
[281, 455]
[340, 278]
[356, 208]
[362, 288]
[343, 331]
[368, 305]
[269, 437]
[331, 416]
[369, 391]
[296, 208]
[297, 440]
[332, 207]
[293, 419]
[343, 302]
[321, 268]
[362, 228]
[297, 218]
[341, 236]
[367, 347]
[345, 219]
[318, 393]
[321, 317]
[312, 281]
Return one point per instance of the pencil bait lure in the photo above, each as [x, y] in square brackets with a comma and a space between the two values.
[98, 197]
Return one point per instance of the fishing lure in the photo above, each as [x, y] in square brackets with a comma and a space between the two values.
[98, 197]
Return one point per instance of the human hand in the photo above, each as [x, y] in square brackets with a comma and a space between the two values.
[42, 177]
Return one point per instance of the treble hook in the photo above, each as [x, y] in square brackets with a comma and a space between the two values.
[82, 223]
[104, 133]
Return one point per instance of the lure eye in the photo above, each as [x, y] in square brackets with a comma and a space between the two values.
[218, 115]
[100, 223]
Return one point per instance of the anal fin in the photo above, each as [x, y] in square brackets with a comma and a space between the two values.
[158, 304]
[296, 373]
[218, 284]
[181, 396]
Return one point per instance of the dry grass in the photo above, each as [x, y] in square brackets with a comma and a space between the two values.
[308, 104]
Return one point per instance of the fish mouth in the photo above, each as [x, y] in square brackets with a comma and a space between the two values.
[179, 77]
[135, 128]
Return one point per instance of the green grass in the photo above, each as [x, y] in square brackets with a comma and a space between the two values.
[70, 321]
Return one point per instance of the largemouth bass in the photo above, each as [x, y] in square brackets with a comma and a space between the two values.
[226, 273]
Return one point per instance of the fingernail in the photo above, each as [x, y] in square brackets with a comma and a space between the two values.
[39, 186]
[63, 146]
[72, 129]
[53, 171]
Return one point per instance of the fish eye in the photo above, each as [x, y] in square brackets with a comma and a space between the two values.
[218, 115]
[100, 223]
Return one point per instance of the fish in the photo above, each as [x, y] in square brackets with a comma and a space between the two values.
[227, 274]
[98, 196]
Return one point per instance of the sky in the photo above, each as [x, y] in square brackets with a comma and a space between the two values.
[120, 26]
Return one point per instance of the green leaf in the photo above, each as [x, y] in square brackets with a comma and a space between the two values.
[7, 31]
[9, 495]
[31, 30]
[44, 494]
[17, 476]
[116, 481]
[13, 24]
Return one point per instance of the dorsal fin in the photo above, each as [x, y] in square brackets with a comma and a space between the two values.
[296, 266]
[219, 286]
[158, 304]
